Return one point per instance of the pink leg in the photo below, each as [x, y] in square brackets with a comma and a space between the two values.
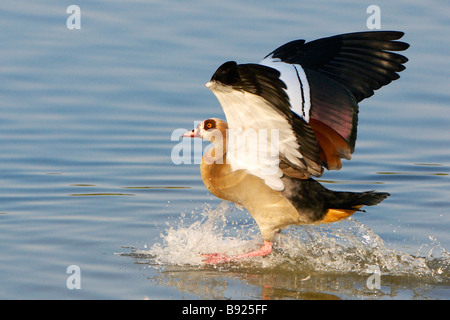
[214, 258]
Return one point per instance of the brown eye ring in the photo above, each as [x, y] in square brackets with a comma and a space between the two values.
[209, 124]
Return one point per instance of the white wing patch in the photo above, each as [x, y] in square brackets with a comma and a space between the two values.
[257, 135]
[297, 85]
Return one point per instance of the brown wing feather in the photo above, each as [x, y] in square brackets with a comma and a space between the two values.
[331, 144]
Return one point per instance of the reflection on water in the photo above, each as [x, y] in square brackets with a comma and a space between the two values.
[205, 284]
[415, 173]
[308, 262]
[418, 169]
[99, 194]
[118, 193]
[153, 187]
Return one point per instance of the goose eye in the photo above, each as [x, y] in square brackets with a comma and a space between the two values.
[208, 125]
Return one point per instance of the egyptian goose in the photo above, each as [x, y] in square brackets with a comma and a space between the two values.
[290, 116]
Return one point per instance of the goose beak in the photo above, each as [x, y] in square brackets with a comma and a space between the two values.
[194, 133]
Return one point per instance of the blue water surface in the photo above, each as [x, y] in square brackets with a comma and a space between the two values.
[87, 177]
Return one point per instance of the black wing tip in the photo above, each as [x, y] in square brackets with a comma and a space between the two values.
[388, 37]
[227, 73]
[362, 61]
[391, 34]
[288, 49]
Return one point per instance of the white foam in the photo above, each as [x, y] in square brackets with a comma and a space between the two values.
[343, 247]
[185, 241]
[347, 247]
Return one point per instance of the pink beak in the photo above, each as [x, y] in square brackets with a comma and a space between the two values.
[194, 133]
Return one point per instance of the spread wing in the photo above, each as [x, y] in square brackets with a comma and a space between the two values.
[304, 96]
[338, 72]
[264, 134]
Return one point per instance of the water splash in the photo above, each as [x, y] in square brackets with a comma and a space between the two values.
[351, 247]
[189, 237]
[344, 247]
